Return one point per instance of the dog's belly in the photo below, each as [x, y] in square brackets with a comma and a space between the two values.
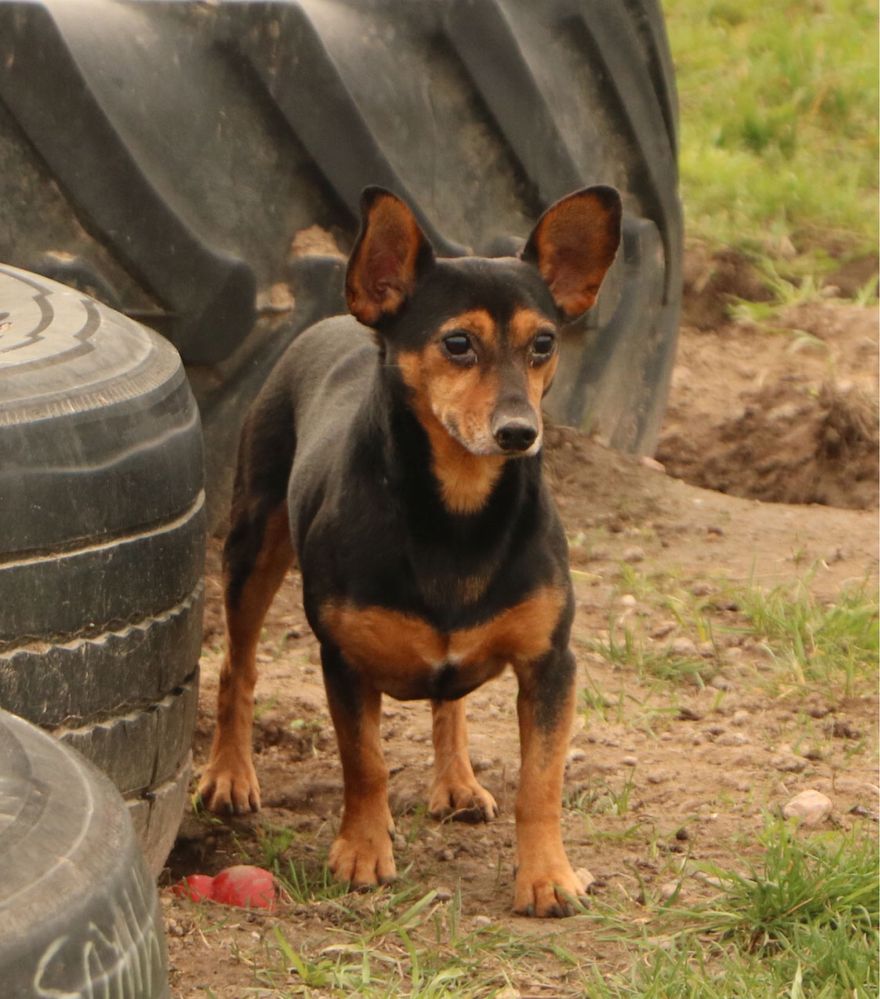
[405, 656]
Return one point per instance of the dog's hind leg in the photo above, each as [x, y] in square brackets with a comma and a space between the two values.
[455, 792]
[256, 556]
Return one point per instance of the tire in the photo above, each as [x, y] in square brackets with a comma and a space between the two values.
[164, 156]
[101, 542]
[79, 911]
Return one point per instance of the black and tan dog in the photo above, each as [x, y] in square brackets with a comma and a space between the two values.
[398, 453]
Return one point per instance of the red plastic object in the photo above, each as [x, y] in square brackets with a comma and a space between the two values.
[245, 886]
[196, 887]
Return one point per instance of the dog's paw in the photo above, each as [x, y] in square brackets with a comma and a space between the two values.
[230, 788]
[550, 891]
[462, 801]
[362, 860]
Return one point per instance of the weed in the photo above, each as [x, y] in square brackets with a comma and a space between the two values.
[663, 664]
[829, 643]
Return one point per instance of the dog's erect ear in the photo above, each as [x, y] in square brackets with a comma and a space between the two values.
[573, 245]
[390, 253]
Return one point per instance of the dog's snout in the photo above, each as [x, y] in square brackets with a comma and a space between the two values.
[516, 435]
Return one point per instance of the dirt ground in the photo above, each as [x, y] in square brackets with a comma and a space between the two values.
[658, 769]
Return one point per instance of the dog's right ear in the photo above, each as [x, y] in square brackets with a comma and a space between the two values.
[389, 255]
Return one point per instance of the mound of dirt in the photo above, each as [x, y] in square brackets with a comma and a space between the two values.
[787, 413]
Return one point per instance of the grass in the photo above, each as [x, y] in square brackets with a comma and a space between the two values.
[402, 943]
[835, 644]
[624, 648]
[778, 106]
[803, 921]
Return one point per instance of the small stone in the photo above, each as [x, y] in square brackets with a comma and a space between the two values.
[683, 646]
[628, 600]
[686, 713]
[716, 730]
[668, 890]
[634, 554]
[482, 921]
[443, 894]
[682, 835]
[508, 992]
[811, 807]
[788, 764]
[648, 462]
[733, 739]
[740, 718]
[715, 529]
[630, 761]
[720, 683]
[701, 589]
[399, 841]
[445, 854]
[813, 753]
[575, 755]
[663, 629]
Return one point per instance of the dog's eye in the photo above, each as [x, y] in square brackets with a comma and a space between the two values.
[543, 344]
[458, 346]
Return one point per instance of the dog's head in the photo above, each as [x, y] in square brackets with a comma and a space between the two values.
[475, 339]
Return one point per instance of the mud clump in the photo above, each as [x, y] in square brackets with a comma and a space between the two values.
[786, 447]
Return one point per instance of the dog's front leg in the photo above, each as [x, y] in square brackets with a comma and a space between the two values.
[545, 881]
[362, 852]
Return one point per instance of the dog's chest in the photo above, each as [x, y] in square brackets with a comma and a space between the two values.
[407, 657]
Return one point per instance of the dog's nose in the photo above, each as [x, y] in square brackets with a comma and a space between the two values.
[516, 435]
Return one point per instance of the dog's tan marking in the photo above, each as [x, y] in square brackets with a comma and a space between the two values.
[524, 325]
[229, 781]
[362, 852]
[455, 791]
[401, 653]
[544, 875]
[454, 405]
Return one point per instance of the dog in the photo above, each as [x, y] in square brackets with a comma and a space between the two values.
[397, 451]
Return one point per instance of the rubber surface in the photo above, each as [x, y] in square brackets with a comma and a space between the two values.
[167, 155]
[101, 540]
[79, 912]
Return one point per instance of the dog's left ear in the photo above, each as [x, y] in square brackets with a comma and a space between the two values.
[573, 245]
[390, 253]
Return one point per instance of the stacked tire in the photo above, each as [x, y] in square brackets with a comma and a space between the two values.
[102, 539]
[79, 912]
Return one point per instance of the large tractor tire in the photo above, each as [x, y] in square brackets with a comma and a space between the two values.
[79, 913]
[102, 540]
[166, 156]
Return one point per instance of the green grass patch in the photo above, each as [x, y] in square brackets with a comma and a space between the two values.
[834, 644]
[624, 648]
[399, 942]
[778, 109]
[801, 922]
